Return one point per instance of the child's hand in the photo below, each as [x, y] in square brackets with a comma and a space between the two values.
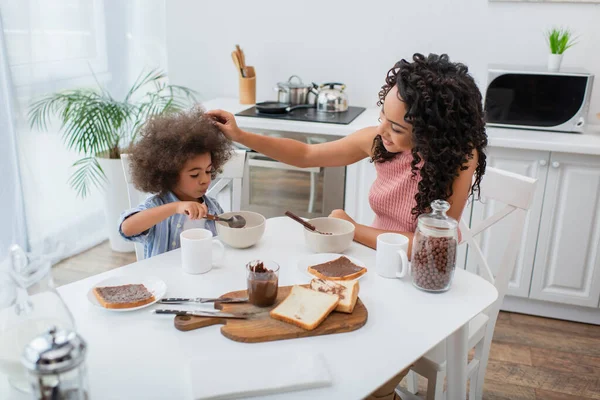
[192, 209]
[226, 123]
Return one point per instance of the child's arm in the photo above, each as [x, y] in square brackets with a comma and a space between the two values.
[142, 221]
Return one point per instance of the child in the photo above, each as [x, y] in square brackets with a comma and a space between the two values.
[175, 160]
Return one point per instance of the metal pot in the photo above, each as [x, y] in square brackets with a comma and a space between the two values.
[293, 93]
[331, 97]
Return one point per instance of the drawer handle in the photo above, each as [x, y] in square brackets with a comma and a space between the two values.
[555, 164]
[543, 162]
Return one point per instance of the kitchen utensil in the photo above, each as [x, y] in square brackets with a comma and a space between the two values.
[260, 327]
[179, 300]
[235, 221]
[331, 97]
[303, 222]
[30, 306]
[247, 86]
[274, 107]
[391, 258]
[434, 249]
[55, 363]
[339, 239]
[294, 93]
[197, 250]
[200, 313]
[241, 55]
[237, 63]
[247, 236]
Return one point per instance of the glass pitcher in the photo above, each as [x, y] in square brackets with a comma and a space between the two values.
[33, 307]
[434, 249]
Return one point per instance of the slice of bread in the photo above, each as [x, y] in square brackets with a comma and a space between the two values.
[124, 296]
[340, 269]
[305, 308]
[347, 290]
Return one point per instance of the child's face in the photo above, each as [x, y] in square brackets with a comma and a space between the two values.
[394, 130]
[194, 177]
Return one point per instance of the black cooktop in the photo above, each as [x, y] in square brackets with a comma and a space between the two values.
[309, 115]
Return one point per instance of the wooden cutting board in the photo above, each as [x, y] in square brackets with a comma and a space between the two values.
[260, 327]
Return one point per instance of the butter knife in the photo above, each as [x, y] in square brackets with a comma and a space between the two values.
[215, 314]
[179, 300]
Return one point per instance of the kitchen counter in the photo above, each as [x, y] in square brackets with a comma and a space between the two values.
[586, 143]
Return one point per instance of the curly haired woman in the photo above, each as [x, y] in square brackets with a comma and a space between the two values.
[176, 158]
[429, 145]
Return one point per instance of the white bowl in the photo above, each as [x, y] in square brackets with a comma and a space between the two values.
[241, 238]
[342, 234]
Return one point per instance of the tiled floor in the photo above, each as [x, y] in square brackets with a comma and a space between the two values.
[531, 358]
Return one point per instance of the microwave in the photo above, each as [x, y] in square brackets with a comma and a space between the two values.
[535, 98]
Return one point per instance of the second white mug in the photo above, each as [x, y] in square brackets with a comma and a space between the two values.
[197, 250]
[391, 256]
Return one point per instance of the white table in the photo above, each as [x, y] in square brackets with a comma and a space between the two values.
[141, 355]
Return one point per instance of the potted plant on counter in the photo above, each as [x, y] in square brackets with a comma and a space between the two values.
[99, 127]
[559, 40]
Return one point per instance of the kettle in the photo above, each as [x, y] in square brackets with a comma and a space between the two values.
[331, 97]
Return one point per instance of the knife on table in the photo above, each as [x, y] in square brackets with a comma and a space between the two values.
[179, 300]
[201, 313]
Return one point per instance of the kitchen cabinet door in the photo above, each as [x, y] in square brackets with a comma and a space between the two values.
[567, 261]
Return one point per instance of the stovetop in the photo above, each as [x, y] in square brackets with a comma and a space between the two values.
[309, 115]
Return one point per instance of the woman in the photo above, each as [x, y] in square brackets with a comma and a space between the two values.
[428, 145]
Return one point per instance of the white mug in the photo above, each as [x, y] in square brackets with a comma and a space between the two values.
[391, 257]
[197, 250]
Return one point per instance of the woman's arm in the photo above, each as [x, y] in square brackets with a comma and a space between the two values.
[345, 151]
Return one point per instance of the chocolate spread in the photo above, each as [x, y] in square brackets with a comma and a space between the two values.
[262, 285]
[337, 268]
[331, 288]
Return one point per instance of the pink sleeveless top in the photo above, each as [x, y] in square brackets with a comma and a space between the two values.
[392, 195]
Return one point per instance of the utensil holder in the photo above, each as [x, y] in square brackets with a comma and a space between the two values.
[248, 87]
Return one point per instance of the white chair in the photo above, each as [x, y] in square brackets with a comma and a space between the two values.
[232, 175]
[516, 192]
[233, 172]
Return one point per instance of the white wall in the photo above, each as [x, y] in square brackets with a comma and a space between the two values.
[357, 42]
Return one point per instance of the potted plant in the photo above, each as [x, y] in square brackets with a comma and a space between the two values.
[100, 127]
[559, 40]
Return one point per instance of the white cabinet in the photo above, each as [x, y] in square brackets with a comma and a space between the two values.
[567, 261]
[494, 240]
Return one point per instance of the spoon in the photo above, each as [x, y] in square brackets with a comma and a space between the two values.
[308, 226]
[236, 221]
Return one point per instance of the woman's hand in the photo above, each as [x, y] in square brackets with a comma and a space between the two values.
[225, 121]
[341, 214]
[192, 209]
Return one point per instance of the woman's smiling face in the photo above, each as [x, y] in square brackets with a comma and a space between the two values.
[395, 132]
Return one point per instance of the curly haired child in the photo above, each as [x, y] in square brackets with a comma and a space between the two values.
[175, 160]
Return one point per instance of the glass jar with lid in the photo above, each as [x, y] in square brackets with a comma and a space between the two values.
[434, 249]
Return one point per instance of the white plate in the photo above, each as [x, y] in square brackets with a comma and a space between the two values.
[320, 258]
[157, 287]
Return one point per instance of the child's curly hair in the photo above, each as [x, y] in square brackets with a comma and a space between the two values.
[168, 141]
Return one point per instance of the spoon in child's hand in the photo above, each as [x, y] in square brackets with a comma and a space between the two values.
[236, 221]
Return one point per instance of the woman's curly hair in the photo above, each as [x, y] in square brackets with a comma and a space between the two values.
[444, 107]
[168, 141]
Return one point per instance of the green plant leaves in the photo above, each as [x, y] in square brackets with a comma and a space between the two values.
[93, 122]
[560, 39]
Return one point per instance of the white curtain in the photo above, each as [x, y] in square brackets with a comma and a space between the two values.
[55, 45]
[12, 225]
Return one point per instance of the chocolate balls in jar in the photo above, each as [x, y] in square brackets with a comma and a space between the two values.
[434, 249]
